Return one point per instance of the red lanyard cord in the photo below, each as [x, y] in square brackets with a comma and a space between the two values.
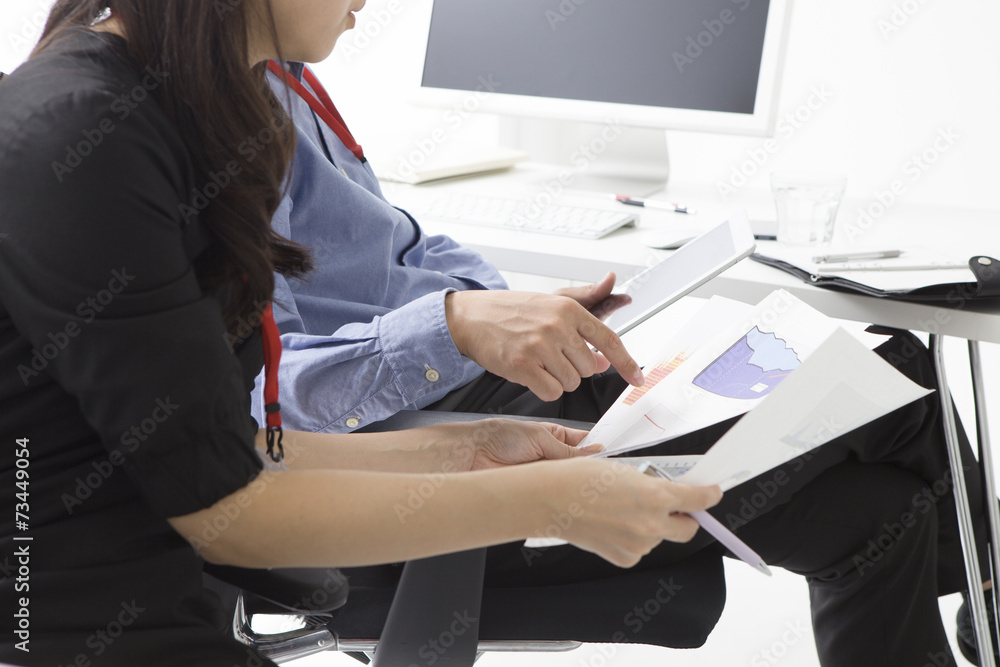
[272, 359]
[323, 107]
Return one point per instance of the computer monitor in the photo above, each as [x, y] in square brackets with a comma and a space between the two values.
[702, 65]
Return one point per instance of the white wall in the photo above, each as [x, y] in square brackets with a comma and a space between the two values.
[892, 89]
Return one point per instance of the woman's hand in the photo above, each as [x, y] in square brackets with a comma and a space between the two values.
[494, 443]
[609, 508]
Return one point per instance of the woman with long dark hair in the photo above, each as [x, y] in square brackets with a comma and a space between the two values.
[142, 158]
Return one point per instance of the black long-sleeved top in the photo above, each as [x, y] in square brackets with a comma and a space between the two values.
[114, 367]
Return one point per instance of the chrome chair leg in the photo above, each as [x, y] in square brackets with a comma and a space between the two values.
[977, 602]
[986, 463]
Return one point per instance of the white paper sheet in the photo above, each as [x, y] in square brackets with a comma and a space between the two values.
[817, 382]
[720, 365]
[841, 386]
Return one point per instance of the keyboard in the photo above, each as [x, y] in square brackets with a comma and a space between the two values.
[524, 214]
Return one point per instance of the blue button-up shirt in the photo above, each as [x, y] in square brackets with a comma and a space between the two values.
[364, 336]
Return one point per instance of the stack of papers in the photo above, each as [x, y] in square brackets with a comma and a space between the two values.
[803, 379]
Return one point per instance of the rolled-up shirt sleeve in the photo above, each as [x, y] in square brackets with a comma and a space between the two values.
[365, 371]
[97, 281]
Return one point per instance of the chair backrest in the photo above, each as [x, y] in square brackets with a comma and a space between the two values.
[435, 612]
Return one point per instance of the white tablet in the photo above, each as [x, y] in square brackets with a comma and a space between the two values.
[688, 268]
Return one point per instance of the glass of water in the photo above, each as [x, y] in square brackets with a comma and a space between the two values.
[807, 205]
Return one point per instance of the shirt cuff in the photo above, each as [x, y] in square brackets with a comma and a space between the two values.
[427, 363]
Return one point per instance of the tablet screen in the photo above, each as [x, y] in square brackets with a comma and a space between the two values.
[685, 270]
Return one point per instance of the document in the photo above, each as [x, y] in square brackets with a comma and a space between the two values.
[723, 363]
[801, 379]
[841, 386]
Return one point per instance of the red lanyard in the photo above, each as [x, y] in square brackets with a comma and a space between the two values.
[272, 359]
[271, 340]
[323, 106]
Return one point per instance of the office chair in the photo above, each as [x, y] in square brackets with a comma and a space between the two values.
[435, 611]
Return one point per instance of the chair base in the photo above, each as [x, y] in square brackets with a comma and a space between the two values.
[287, 646]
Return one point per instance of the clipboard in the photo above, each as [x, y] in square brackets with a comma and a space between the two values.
[955, 295]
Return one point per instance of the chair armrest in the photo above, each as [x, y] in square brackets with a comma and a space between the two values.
[292, 590]
[434, 617]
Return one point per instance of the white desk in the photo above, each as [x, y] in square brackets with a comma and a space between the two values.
[963, 233]
[969, 233]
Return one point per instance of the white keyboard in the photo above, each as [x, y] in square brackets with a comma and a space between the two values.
[586, 223]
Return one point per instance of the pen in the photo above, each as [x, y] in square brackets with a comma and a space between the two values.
[882, 267]
[653, 203]
[848, 256]
[714, 527]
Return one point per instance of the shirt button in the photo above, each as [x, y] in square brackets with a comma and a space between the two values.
[352, 422]
[432, 375]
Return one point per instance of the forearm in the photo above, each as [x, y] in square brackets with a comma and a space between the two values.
[415, 451]
[330, 518]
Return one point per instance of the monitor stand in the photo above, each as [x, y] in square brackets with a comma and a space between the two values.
[606, 158]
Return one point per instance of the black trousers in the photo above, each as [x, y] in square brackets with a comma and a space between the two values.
[869, 518]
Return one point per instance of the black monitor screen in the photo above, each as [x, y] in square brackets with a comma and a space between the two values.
[685, 54]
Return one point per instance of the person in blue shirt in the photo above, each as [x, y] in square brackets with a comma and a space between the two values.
[394, 319]
[386, 308]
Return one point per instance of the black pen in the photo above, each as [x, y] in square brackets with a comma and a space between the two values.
[653, 203]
